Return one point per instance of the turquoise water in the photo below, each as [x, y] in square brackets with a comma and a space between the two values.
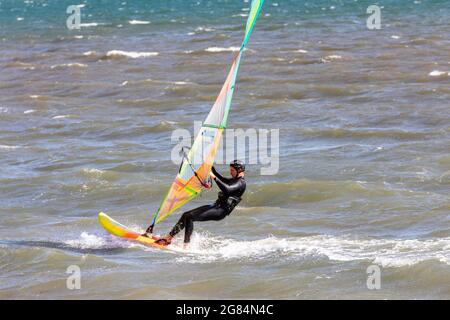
[86, 118]
[45, 19]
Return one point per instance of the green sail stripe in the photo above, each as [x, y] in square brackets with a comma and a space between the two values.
[192, 191]
[212, 126]
[254, 12]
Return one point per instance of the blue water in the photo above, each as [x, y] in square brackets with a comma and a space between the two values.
[46, 18]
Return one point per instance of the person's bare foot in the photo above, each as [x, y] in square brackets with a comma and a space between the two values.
[186, 246]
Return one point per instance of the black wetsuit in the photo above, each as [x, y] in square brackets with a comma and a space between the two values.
[229, 196]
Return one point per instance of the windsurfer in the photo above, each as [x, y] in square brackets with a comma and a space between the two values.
[231, 191]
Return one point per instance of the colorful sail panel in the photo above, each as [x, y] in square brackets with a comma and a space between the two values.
[196, 166]
[255, 8]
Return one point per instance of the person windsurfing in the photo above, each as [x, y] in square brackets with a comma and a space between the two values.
[231, 191]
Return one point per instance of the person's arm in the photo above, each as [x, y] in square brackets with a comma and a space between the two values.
[219, 176]
[228, 188]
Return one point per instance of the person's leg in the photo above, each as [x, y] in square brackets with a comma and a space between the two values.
[181, 224]
[185, 219]
[212, 213]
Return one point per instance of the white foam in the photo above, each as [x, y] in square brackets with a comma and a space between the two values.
[86, 241]
[89, 53]
[93, 171]
[386, 252]
[29, 111]
[331, 58]
[138, 22]
[171, 82]
[88, 25]
[167, 122]
[69, 65]
[5, 147]
[60, 117]
[437, 73]
[204, 29]
[131, 54]
[220, 49]
[91, 241]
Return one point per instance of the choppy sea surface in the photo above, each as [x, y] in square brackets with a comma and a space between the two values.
[86, 119]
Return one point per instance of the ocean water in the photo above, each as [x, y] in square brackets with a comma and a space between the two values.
[86, 119]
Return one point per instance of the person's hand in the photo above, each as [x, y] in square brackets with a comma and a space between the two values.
[212, 175]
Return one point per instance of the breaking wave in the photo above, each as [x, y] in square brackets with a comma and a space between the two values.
[385, 252]
[130, 54]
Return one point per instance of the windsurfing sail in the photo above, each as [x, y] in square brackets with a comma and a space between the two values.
[195, 168]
